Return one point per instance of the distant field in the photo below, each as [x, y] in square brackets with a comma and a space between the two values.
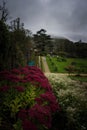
[58, 64]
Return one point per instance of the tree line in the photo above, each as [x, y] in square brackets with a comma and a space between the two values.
[65, 47]
[14, 42]
[59, 46]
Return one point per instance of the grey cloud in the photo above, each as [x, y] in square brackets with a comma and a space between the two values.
[70, 14]
[58, 17]
[24, 8]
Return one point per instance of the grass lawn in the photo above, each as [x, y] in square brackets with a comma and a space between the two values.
[58, 65]
[79, 78]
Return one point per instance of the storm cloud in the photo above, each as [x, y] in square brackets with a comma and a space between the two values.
[67, 18]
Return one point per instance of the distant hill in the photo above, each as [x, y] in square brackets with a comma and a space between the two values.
[72, 49]
[64, 38]
[59, 37]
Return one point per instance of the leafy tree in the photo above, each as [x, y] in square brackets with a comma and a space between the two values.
[42, 41]
[77, 49]
[15, 45]
[21, 44]
[4, 45]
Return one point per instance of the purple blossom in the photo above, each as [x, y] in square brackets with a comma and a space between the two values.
[22, 114]
[28, 125]
[46, 85]
[39, 100]
[49, 96]
[45, 103]
[15, 71]
[42, 114]
[4, 88]
[19, 88]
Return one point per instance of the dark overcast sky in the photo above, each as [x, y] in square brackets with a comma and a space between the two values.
[67, 18]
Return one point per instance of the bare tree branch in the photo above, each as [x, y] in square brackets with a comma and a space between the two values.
[3, 12]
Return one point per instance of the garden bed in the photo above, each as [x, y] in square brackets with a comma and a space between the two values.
[72, 96]
[27, 101]
[62, 65]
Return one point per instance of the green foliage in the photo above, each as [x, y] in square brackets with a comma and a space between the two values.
[4, 45]
[14, 100]
[62, 54]
[61, 59]
[55, 69]
[15, 47]
[19, 49]
[78, 65]
[79, 78]
[70, 69]
[18, 125]
[65, 47]
[42, 42]
[26, 100]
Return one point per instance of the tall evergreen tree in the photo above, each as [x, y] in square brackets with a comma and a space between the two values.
[42, 41]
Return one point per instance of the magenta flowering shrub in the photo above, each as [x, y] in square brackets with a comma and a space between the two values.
[26, 95]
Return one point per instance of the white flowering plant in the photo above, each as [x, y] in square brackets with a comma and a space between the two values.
[73, 100]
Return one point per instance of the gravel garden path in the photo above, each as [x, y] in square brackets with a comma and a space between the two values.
[46, 68]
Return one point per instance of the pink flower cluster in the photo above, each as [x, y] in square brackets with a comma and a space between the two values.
[45, 104]
[38, 114]
[4, 88]
[19, 88]
[27, 74]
